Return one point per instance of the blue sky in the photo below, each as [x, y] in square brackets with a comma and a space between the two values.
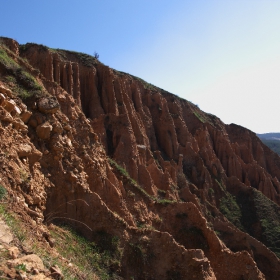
[222, 55]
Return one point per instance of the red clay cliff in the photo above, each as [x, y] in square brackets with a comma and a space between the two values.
[141, 164]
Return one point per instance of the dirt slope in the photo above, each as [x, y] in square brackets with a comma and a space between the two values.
[188, 196]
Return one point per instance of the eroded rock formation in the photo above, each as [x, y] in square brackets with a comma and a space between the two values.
[110, 153]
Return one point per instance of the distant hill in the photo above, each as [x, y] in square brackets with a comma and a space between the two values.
[272, 140]
[270, 136]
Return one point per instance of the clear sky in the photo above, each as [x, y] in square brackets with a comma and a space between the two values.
[223, 55]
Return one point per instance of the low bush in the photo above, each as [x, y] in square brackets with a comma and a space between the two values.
[230, 208]
[3, 192]
[23, 83]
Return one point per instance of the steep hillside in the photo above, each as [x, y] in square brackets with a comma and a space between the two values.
[185, 196]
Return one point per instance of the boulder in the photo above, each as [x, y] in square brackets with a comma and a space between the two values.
[30, 261]
[5, 233]
[9, 105]
[5, 90]
[35, 156]
[5, 116]
[13, 252]
[18, 124]
[25, 116]
[24, 150]
[57, 127]
[2, 98]
[48, 105]
[44, 130]
[16, 111]
[56, 272]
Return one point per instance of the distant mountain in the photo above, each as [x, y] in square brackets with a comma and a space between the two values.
[270, 136]
[272, 140]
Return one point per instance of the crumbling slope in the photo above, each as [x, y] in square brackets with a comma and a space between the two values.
[115, 157]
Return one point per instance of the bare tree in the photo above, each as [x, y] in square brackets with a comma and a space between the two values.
[96, 55]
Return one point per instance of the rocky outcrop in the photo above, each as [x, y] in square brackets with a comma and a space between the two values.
[107, 152]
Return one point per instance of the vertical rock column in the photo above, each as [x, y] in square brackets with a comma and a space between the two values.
[90, 99]
[69, 75]
[76, 83]
[66, 77]
[56, 68]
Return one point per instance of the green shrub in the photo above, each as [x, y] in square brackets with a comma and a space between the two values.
[165, 201]
[211, 192]
[200, 117]
[230, 208]
[6, 61]
[3, 192]
[21, 266]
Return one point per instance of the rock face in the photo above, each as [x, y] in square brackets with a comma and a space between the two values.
[188, 196]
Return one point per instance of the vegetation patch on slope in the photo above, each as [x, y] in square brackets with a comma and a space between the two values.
[261, 218]
[22, 82]
[230, 208]
[269, 216]
[78, 258]
[86, 59]
[131, 182]
[128, 179]
[273, 145]
[205, 117]
[90, 258]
